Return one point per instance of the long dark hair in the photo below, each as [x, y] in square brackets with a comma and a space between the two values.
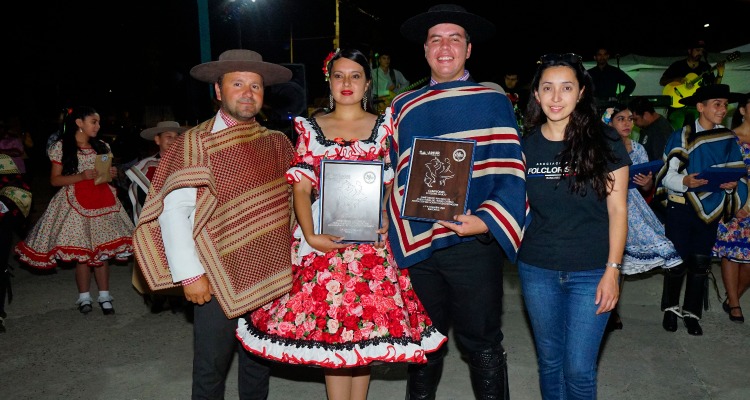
[586, 151]
[68, 137]
[738, 117]
[361, 59]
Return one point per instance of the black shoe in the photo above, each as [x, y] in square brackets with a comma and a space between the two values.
[692, 325]
[614, 321]
[670, 321]
[2, 325]
[732, 318]
[106, 311]
[85, 308]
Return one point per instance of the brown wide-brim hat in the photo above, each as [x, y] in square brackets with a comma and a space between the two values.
[415, 28]
[161, 127]
[241, 60]
[714, 91]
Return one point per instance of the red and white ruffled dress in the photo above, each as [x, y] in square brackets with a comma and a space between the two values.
[83, 222]
[349, 307]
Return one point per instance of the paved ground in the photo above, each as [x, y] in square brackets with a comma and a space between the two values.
[52, 352]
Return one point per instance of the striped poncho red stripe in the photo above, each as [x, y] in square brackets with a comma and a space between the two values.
[461, 110]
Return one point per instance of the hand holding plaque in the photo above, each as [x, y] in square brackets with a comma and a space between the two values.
[438, 180]
[351, 194]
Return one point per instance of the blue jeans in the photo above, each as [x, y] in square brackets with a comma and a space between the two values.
[567, 331]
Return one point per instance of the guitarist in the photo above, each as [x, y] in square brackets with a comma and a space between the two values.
[386, 82]
[678, 71]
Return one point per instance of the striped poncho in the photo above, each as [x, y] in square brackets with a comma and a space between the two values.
[697, 151]
[242, 215]
[497, 195]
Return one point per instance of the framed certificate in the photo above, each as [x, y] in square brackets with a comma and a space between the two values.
[438, 179]
[644, 168]
[351, 194]
[717, 176]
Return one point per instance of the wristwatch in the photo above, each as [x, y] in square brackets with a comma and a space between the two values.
[614, 265]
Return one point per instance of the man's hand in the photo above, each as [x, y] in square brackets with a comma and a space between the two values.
[198, 292]
[469, 225]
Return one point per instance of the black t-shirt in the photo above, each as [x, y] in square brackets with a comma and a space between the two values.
[681, 69]
[568, 232]
[654, 138]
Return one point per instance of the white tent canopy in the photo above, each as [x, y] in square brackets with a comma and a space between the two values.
[646, 70]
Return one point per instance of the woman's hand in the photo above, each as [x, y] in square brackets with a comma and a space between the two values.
[608, 290]
[742, 213]
[645, 182]
[383, 231]
[88, 174]
[325, 243]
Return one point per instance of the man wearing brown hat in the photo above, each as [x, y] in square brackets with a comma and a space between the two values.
[456, 268]
[695, 202]
[140, 175]
[217, 220]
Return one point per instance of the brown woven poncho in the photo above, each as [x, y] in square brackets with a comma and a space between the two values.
[242, 217]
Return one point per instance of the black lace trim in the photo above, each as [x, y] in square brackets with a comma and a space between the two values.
[321, 138]
[311, 344]
[305, 166]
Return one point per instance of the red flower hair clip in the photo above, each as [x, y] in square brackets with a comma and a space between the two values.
[328, 59]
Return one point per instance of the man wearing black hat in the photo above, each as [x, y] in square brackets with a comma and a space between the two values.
[456, 268]
[695, 203]
[217, 220]
[678, 79]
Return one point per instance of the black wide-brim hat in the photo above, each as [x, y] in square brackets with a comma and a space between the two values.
[240, 60]
[415, 28]
[714, 91]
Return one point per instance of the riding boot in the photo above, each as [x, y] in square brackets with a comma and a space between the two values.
[696, 285]
[423, 379]
[489, 374]
[670, 295]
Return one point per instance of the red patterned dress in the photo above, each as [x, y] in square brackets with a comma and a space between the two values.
[349, 307]
[83, 222]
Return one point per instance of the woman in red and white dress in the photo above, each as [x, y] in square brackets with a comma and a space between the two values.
[84, 222]
[350, 305]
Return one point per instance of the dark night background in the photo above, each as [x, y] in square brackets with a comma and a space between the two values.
[131, 60]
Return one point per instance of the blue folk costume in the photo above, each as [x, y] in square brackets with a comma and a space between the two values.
[497, 192]
[692, 217]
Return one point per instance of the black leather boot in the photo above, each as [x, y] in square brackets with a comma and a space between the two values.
[423, 379]
[696, 285]
[696, 292]
[489, 374]
[670, 295]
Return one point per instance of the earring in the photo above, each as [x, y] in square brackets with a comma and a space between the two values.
[330, 101]
[364, 103]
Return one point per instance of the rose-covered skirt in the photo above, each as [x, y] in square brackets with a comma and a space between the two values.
[347, 308]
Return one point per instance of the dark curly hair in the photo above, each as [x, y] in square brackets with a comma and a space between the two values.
[68, 138]
[586, 149]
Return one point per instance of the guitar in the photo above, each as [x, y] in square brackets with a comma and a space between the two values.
[381, 102]
[679, 91]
